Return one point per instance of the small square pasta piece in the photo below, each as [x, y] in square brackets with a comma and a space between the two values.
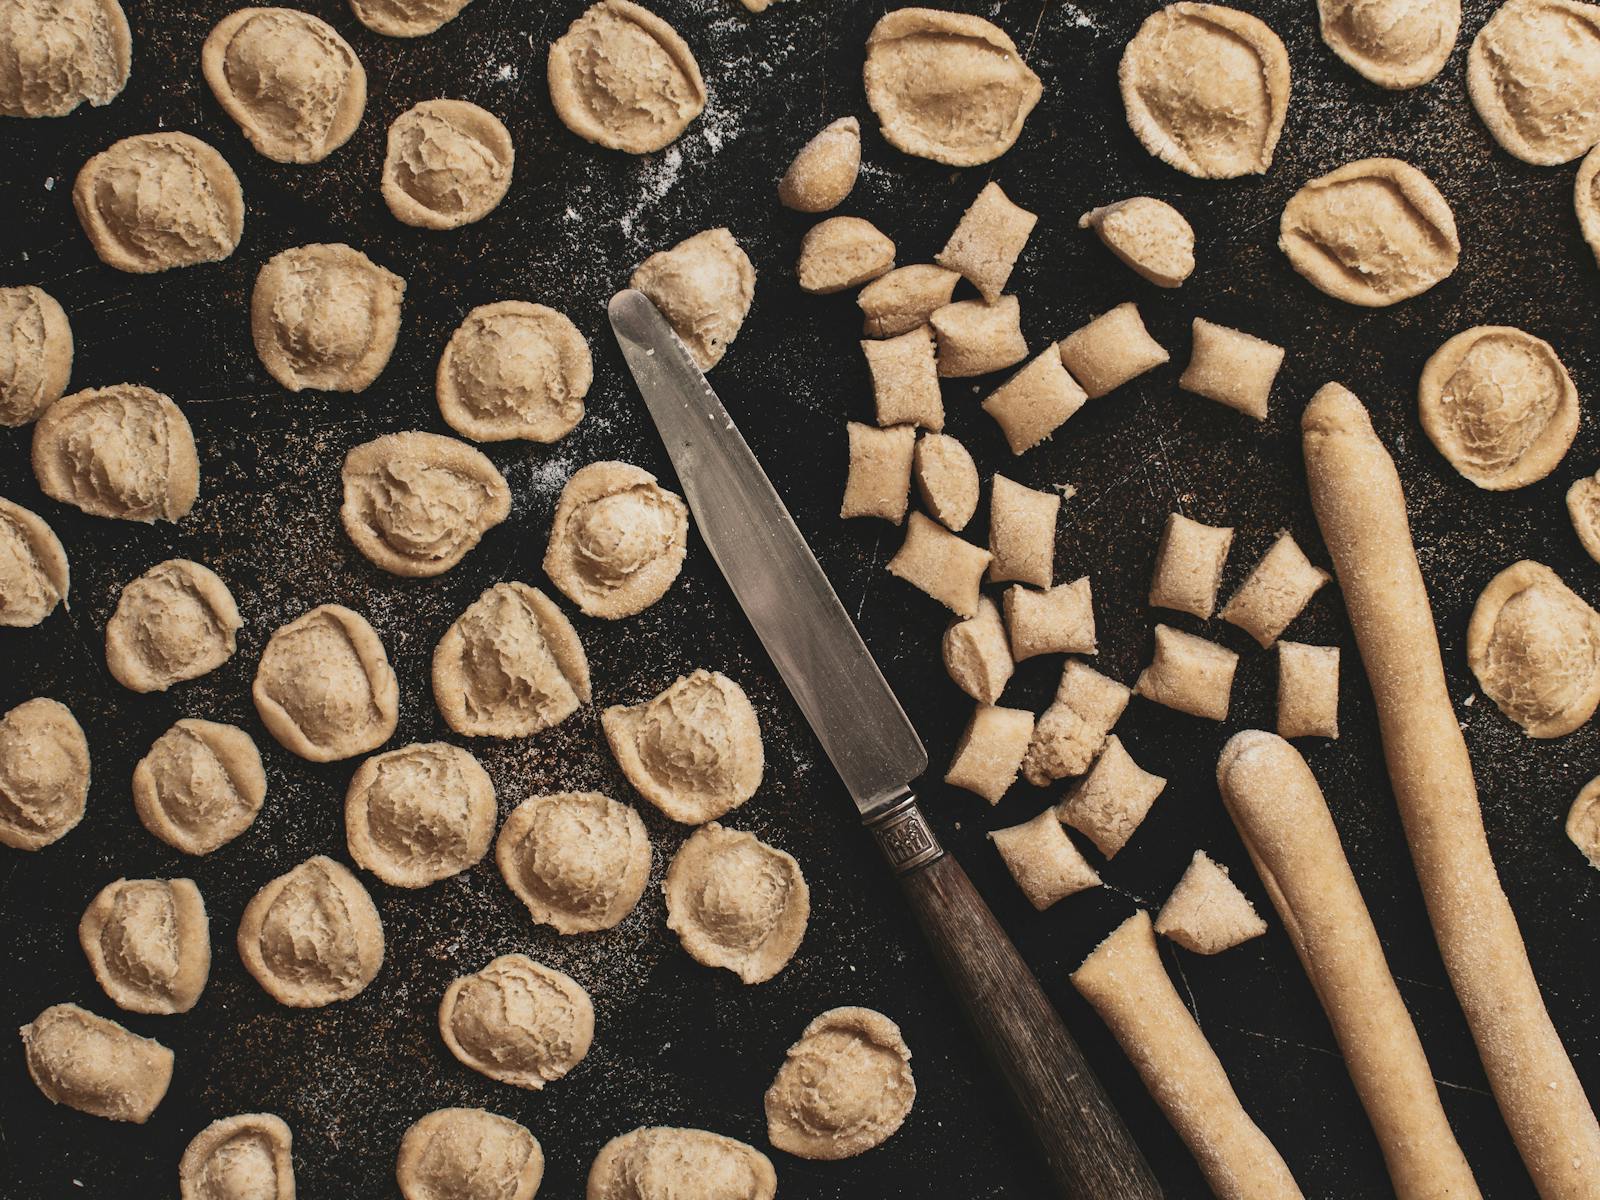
[1068, 735]
[1276, 590]
[1207, 913]
[1189, 564]
[904, 299]
[1043, 860]
[1232, 368]
[1035, 402]
[977, 654]
[905, 380]
[879, 483]
[1308, 690]
[941, 564]
[990, 751]
[977, 337]
[1022, 533]
[1110, 350]
[1112, 800]
[1189, 674]
[947, 480]
[987, 242]
[1058, 620]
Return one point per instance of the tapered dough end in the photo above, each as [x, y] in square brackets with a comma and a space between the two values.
[1334, 410]
[1249, 755]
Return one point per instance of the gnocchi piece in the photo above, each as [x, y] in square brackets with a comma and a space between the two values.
[55, 56]
[841, 253]
[1533, 74]
[1586, 201]
[1207, 913]
[44, 774]
[200, 786]
[123, 451]
[34, 573]
[904, 299]
[825, 170]
[947, 480]
[1110, 803]
[514, 370]
[941, 564]
[1308, 690]
[578, 860]
[736, 902]
[1583, 506]
[1583, 822]
[1110, 350]
[977, 654]
[239, 1158]
[324, 687]
[1189, 562]
[419, 814]
[148, 943]
[905, 379]
[704, 286]
[449, 164]
[1232, 368]
[977, 337]
[312, 936]
[517, 1021]
[990, 751]
[1068, 735]
[879, 482]
[406, 18]
[988, 241]
[1022, 533]
[1058, 620]
[844, 1087]
[1148, 235]
[1395, 44]
[617, 540]
[177, 621]
[35, 353]
[1189, 674]
[1035, 402]
[468, 1154]
[94, 1065]
[325, 316]
[652, 1163]
[1534, 646]
[1043, 860]
[1275, 592]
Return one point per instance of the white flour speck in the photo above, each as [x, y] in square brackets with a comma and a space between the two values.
[50, 184]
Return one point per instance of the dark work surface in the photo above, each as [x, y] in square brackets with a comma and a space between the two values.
[677, 1043]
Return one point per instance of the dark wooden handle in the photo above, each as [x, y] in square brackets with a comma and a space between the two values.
[1087, 1148]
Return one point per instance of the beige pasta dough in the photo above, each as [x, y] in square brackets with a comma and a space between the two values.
[976, 337]
[58, 54]
[406, 18]
[1534, 645]
[824, 172]
[35, 353]
[510, 666]
[157, 201]
[1583, 507]
[325, 316]
[621, 77]
[1111, 350]
[44, 774]
[987, 243]
[148, 943]
[1022, 533]
[200, 786]
[1206, 89]
[694, 751]
[1110, 803]
[578, 860]
[905, 379]
[1586, 200]
[1308, 690]
[34, 575]
[947, 480]
[841, 253]
[736, 902]
[1189, 562]
[312, 937]
[1058, 620]
[468, 1154]
[1035, 402]
[1207, 913]
[1148, 235]
[1499, 405]
[844, 1087]
[977, 653]
[879, 481]
[298, 115]
[1395, 44]
[1533, 74]
[904, 299]
[1190, 674]
[617, 541]
[239, 1158]
[1069, 734]
[1583, 822]
[937, 562]
[1043, 860]
[658, 1163]
[990, 751]
[419, 814]
[177, 621]
[704, 286]
[416, 503]
[449, 164]
[517, 1021]
[1231, 367]
[514, 370]
[324, 687]
[1275, 592]
[122, 451]
[94, 1065]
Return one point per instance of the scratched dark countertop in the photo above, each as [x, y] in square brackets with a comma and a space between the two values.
[677, 1043]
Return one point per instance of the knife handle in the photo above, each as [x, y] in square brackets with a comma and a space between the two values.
[1087, 1148]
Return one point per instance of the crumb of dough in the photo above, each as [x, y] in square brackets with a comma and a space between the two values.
[824, 172]
[468, 1154]
[1583, 822]
[94, 1065]
[1308, 690]
[736, 902]
[1534, 646]
[1022, 533]
[124, 451]
[946, 567]
[651, 1163]
[312, 936]
[1275, 592]
[1498, 403]
[34, 574]
[617, 540]
[990, 751]
[621, 77]
[1189, 674]
[1583, 506]
[157, 201]
[1043, 860]
[977, 654]
[1110, 803]
[844, 1087]
[1206, 912]
[324, 687]
[200, 785]
[988, 241]
[905, 379]
[1035, 402]
[1189, 562]
[1372, 233]
[148, 943]
[517, 1021]
[1586, 200]
[977, 338]
[449, 164]
[704, 286]
[250, 1151]
[1533, 74]
[514, 370]
[1232, 368]
[325, 316]
[1148, 235]
[35, 353]
[1058, 620]
[299, 115]
[1206, 89]
[1396, 44]
[44, 774]
[879, 480]
[947, 480]
[1068, 735]
[841, 253]
[419, 814]
[578, 860]
[406, 18]
[177, 621]
[58, 54]
[904, 299]
[1111, 350]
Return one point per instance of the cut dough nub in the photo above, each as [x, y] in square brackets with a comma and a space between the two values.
[879, 482]
[986, 244]
[1111, 350]
[1069, 734]
[1232, 368]
[1147, 234]
[1190, 674]
[1043, 860]
[946, 567]
[905, 379]
[1110, 803]
[824, 171]
[1206, 912]
[1035, 402]
[1275, 592]
[979, 337]
[947, 480]
[1189, 564]
[990, 751]
[1022, 533]
[977, 653]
